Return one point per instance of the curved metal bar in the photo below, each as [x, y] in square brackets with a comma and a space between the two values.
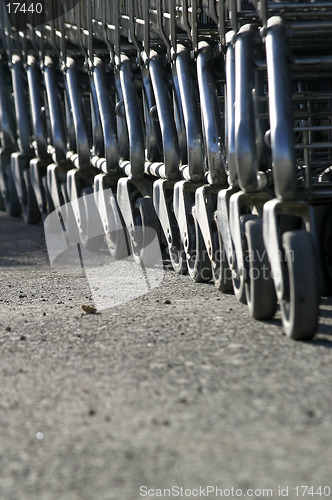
[146, 15]
[41, 51]
[191, 114]
[194, 26]
[132, 27]
[172, 9]
[230, 102]
[69, 123]
[160, 26]
[121, 122]
[281, 116]
[36, 104]
[250, 179]
[133, 116]
[117, 48]
[263, 14]
[107, 116]
[55, 110]
[178, 116]
[166, 117]
[221, 21]
[7, 117]
[52, 35]
[78, 11]
[97, 130]
[212, 124]
[21, 108]
[63, 46]
[33, 38]
[78, 113]
[90, 31]
[233, 14]
[5, 30]
[104, 24]
[185, 17]
[153, 142]
[22, 46]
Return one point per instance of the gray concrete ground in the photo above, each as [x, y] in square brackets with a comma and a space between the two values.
[152, 394]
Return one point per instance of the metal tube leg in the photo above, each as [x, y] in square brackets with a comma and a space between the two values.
[213, 128]
[76, 104]
[166, 118]
[133, 116]
[281, 116]
[191, 115]
[245, 140]
[107, 116]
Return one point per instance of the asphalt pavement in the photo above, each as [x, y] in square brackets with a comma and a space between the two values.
[175, 393]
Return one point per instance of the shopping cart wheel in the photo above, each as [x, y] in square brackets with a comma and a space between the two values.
[299, 308]
[176, 252]
[237, 279]
[30, 210]
[116, 236]
[198, 262]
[145, 242]
[259, 285]
[2, 204]
[89, 226]
[178, 259]
[221, 273]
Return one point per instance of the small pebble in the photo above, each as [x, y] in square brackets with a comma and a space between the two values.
[89, 309]
[8, 329]
[21, 296]
[22, 337]
[167, 301]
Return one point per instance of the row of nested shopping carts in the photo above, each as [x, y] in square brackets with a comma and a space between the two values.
[208, 122]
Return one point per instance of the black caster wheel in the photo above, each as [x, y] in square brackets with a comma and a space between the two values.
[30, 210]
[221, 272]
[176, 252]
[51, 220]
[198, 262]
[49, 201]
[259, 285]
[237, 280]
[300, 306]
[10, 198]
[2, 204]
[116, 239]
[89, 222]
[145, 241]
[178, 259]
